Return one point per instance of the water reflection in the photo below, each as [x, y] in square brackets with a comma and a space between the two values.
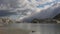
[42, 28]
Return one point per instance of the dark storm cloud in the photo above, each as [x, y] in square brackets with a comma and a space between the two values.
[6, 13]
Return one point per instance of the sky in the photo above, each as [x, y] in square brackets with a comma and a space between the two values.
[26, 9]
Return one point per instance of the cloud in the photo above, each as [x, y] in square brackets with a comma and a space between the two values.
[21, 14]
[4, 13]
[23, 9]
[46, 13]
[8, 4]
[15, 8]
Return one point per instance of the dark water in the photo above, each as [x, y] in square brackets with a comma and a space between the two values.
[42, 28]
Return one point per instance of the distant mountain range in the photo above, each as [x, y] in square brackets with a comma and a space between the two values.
[51, 12]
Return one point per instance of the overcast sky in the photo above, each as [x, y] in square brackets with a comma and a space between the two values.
[21, 9]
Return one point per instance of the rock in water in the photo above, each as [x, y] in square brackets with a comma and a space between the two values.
[37, 32]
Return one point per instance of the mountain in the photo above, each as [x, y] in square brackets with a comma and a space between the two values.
[57, 17]
[46, 13]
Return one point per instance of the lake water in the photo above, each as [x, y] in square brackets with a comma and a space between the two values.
[42, 28]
